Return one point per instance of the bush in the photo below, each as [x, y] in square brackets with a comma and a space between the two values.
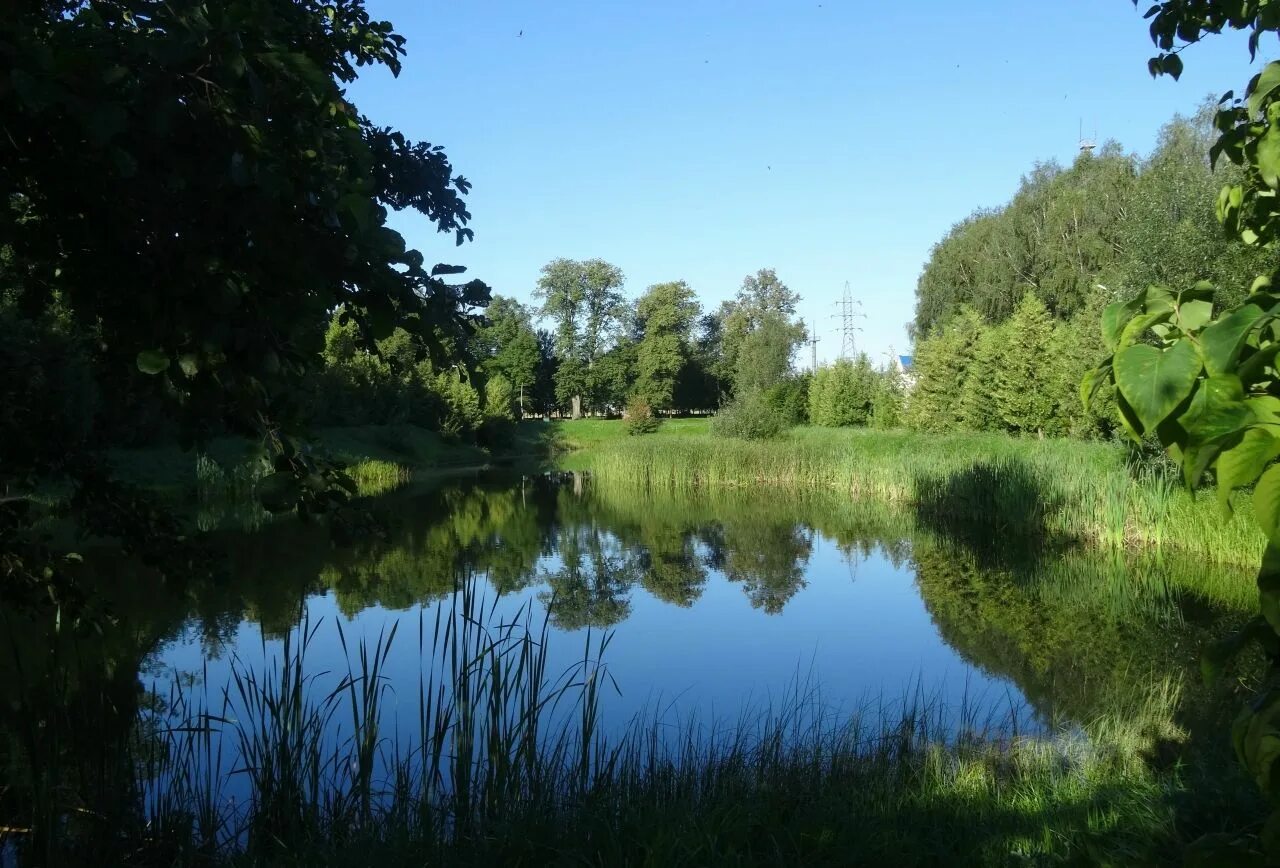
[790, 399]
[462, 405]
[499, 399]
[640, 418]
[749, 417]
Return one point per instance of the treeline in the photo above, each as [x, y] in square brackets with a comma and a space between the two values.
[600, 352]
[1009, 303]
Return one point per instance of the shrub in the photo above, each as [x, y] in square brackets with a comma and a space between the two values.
[640, 418]
[462, 405]
[749, 417]
[789, 399]
[499, 398]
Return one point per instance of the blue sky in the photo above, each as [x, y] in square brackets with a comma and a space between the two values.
[833, 141]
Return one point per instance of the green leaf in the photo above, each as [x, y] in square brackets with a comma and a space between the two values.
[1135, 328]
[279, 491]
[189, 363]
[1158, 298]
[1221, 342]
[1265, 408]
[1129, 419]
[1254, 368]
[152, 362]
[1266, 501]
[1217, 409]
[1156, 381]
[1114, 318]
[1244, 462]
[1093, 382]
[1267, 157]
[1193, 315]
[1267, 83]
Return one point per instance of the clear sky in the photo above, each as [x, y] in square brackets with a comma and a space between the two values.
[833, 141]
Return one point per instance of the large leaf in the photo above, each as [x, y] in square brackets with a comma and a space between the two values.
[1268, 158]
[1217, 409]
[1266, 501]
[1115, 317]
[1244, 462]
[1093, 383]
[1193, 315]
[1266, 84]
[1156, 381]
[1137, 326]
[1220, 343]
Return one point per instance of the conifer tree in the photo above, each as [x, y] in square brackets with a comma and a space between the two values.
[1024, 397]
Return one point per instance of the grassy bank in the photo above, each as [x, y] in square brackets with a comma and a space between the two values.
[379, 457]
[1059, 488]
[508, 767]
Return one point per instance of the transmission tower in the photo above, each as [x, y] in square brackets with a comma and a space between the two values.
[849, 309]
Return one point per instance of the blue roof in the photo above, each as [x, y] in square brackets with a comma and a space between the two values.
[905, 361]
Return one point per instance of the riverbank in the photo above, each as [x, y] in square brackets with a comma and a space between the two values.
[378, 457]
[1056, 489]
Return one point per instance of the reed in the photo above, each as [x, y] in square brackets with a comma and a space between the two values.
[1063, 488]
[509, 764]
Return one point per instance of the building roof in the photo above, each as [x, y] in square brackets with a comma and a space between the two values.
[905, 361]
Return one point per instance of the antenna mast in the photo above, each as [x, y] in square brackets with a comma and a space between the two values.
[1087, 145]
[812, 341]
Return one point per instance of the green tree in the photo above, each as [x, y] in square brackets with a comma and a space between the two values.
[499, 399]
[1023, 401]
[978, 411]
[888, 403]
[762, 297]
[764, 356]
[505, 343]
[163, 200]
[941, 365]
[463, 412]
[843, 394]
[665, 315]
[584, 302]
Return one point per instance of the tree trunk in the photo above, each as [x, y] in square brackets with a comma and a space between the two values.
[577, 407]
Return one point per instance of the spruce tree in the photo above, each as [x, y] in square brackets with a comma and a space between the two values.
[941, 365]
[977, 398]
[1024, 395]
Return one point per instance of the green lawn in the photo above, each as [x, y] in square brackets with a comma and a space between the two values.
[574, 434]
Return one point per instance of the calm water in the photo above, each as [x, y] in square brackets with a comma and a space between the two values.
[717, 605]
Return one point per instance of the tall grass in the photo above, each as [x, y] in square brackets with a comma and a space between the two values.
[1065, 488]
[509, 765]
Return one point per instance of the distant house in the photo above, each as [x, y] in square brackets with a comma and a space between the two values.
[904, 366]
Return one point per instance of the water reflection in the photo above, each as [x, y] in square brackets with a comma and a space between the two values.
[712, 595]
